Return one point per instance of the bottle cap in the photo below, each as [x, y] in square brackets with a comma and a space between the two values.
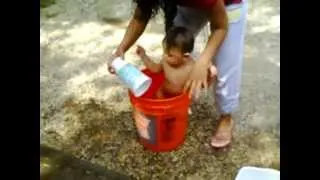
[142, 86]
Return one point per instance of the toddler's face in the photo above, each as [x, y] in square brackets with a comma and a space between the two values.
[173, 56]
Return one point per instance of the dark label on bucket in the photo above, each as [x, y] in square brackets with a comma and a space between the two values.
[168, 125]
[145, 126]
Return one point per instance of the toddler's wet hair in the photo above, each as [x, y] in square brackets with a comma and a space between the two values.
[179, 37]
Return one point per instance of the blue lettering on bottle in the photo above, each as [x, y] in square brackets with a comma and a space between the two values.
[129, 74]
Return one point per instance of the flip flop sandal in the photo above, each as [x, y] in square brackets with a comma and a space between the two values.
[222, 137]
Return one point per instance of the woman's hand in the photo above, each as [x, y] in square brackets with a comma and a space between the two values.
[219, 27]
[198, 78]
[118, 53]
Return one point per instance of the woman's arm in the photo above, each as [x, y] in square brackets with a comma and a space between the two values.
[134, 30]
[219, 27]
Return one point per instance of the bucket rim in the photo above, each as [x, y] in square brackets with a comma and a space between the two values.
[166, 100]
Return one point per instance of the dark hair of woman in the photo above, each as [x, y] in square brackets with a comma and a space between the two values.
[150, 8]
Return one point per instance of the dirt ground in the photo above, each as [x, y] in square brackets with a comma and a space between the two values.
[85, 111]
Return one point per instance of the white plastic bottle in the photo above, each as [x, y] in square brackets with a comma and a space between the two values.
[134, 79]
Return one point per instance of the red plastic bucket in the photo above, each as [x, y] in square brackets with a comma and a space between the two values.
[161, 123]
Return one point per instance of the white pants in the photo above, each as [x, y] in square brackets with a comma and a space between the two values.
[230, 55]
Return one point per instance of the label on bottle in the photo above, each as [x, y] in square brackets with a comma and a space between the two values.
[129, 74]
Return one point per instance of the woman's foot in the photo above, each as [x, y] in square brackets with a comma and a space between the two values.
[223, 136]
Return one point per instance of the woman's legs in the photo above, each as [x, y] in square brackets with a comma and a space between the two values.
[229, 66]
[228, 62]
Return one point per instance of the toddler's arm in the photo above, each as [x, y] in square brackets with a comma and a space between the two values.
[152, 66]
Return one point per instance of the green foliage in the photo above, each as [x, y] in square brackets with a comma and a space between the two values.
[46, 3]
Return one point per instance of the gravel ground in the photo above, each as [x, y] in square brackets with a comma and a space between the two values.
[55, 165]
[86, 112]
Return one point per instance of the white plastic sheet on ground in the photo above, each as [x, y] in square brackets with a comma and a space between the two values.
[255, 173]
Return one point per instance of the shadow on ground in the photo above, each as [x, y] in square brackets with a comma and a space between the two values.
[57, 165]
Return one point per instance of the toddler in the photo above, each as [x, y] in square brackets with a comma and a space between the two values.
[176, 62]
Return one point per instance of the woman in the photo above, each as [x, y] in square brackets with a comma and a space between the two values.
[227, 19]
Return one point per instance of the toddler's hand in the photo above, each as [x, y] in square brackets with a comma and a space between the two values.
[140, 51]
[213, 71]
[212, 74]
